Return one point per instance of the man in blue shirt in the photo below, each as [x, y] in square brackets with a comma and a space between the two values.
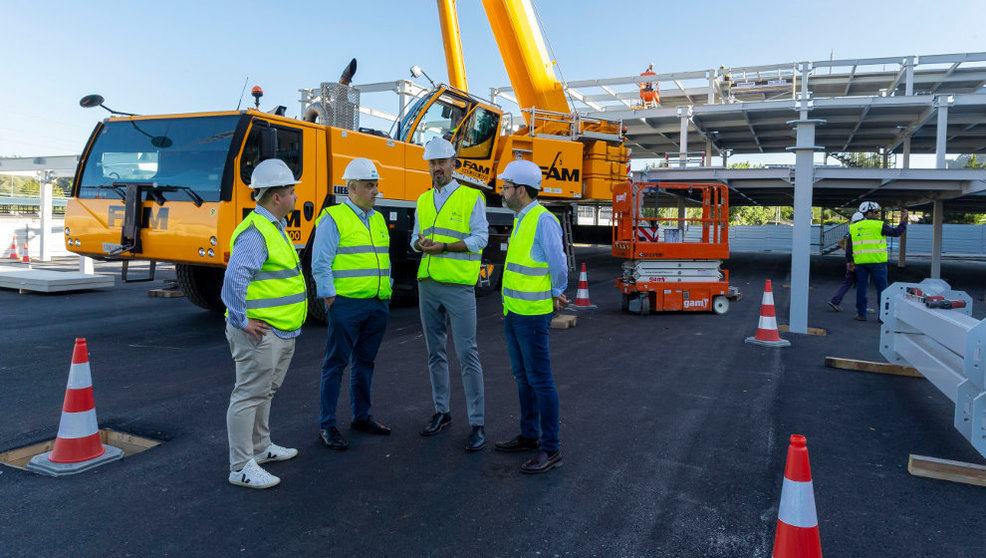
[351, 269]
[534, 281]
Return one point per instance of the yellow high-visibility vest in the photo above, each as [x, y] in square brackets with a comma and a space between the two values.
[868, 243]
[449, 225]
[361, 267]
[526, 285]
[276, 294]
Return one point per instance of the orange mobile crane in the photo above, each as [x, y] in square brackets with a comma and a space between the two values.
[172, 188]
[665, 268]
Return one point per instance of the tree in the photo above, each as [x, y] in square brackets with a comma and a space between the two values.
[974, 163]
[746, 165]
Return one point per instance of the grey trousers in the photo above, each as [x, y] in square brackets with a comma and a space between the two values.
[444, 305]
[260, 370]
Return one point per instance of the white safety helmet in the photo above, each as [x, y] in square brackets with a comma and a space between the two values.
[271, 173]
[438, 148]
[522, 172]
[361, 169]
[857, 217]
[869, 206]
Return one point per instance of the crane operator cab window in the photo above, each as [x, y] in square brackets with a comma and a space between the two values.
[440, 119]
[479, 134]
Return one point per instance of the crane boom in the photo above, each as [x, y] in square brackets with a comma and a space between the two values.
[449, 20]
[524, 56]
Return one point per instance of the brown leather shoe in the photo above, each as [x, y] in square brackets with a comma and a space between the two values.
[543, 462]
[518, 443]
[370, 425]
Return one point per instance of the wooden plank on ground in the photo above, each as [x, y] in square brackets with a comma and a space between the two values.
[811, 330]
[945, 469]
[564, 321]
[870, 366]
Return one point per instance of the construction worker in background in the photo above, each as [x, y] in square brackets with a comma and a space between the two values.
[649, 90]
[534, 280]
[850, 277]
[266, 303]
[351, 269]
[450, 229]
[869, 246]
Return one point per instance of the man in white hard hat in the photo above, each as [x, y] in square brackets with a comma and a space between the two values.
[351, 269]
[534, 280]
[850, 277]
[869, 246]
[266, 304]
[450, 230]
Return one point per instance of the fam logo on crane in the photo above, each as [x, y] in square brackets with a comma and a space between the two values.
[556, 171]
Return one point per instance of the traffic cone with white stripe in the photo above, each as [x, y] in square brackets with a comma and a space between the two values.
[25, 258]
[797, 523]
[582, 296]
[13, 249]
[767, 334]
[77, 446]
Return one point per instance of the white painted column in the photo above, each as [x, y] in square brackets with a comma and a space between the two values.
[902, 249]
[45, 179]
[936, 231]
[941, 132]
[907, 152]
[684, 113]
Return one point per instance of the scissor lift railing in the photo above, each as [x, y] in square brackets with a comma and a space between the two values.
[945, 345]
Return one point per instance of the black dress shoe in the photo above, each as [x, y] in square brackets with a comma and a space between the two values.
[438, 421]
[476, 440]
[370, 425]
[519, 443]
[333, 439]
[544, 461]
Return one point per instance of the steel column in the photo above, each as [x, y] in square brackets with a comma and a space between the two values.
[941, 133]
[936, 232]
[685, 113]
[45, 179]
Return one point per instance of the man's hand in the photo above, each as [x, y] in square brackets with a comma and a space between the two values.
[328, 301]
[256, 328]
[424, 243]
[851, 266]
[432, 247]
[903, 215]
[560, 301]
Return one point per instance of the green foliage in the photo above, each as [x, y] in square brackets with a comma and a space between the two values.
[751, 215]
[27, 187]
[746, 165]
[974, 163]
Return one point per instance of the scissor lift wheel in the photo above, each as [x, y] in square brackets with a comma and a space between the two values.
[720, 305]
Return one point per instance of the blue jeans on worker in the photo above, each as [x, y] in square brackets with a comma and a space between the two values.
[863, 273]
[847, 282]
[527, 344]
[356, 328]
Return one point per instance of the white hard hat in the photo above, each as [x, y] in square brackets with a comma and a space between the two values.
[438, 148]
[857, 217]
[522, 172]
[869, 206]
[272, 173]
[361, 169]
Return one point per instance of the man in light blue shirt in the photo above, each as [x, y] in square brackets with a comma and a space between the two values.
[357, 297]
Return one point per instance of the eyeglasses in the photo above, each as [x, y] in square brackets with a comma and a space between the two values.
[509, 185]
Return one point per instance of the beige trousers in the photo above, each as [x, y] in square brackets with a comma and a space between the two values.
[260, 370]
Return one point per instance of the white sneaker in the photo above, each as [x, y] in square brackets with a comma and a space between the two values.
[253, 476]
[275, 453]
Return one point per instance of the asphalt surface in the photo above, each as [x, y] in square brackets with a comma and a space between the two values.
[674, 434]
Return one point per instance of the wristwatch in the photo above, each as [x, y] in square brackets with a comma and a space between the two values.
[444, 247]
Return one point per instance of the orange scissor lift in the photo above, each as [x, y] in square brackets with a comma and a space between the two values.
[662, 269]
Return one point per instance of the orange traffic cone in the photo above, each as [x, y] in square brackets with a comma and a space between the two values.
[767, 334]
[25, 258]
[797, 523]
[77, 446]
[13, 249]
[582, 296]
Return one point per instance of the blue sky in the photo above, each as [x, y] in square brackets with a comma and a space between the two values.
[181, 56]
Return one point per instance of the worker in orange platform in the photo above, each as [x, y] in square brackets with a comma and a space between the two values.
[649, 90]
